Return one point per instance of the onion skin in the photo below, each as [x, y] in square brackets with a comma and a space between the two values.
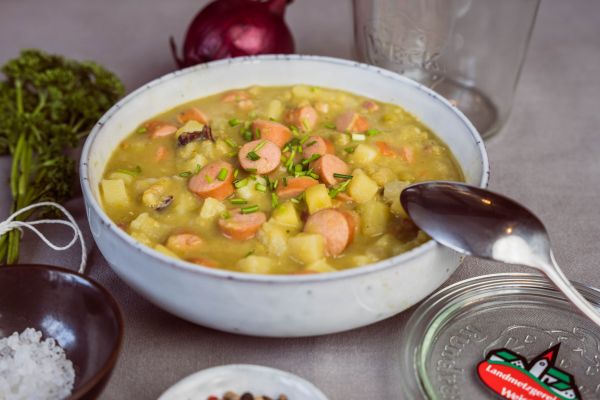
[233, 28]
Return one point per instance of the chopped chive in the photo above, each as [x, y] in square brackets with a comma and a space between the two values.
[342, 176]
[294, 130]
[197, 169]
[372, 132]
[333, 192]
[358, 137]
[294, 200]
[208, 178]
[222, 175]
[232, 154]
[226, 215]
[252, 156]
[260, 187]
[253, 177]
[231, 143]
[251, 170]
[299, 149]
[236, 172]
[304, 139]
[249, 253]
[305, 125]
[257, 134]
[260, 145]
[312, 175]
[247, 135]
[234, 122]
[329, 125]
[240, 183]
[133, 172]
[238, 201]
[297, 168]
[311, 159]
[249, 209]
[286, 148]
[310, 143]
[185, 174]
[350, 149]
[274, 200]
[285, 181]
[274, 184]
[142, 130]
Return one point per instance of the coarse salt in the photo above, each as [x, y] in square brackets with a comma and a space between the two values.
[34, 369]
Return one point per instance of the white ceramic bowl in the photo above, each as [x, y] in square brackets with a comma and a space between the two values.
[270, 305]
[241, 378]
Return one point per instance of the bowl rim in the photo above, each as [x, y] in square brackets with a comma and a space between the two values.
[106, 369]
[243, 368]
[196, 269]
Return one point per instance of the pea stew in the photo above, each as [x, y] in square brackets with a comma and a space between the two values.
[275, 180]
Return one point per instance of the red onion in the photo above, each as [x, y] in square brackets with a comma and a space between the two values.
[231, 28]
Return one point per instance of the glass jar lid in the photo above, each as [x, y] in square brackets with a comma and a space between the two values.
[512, 335]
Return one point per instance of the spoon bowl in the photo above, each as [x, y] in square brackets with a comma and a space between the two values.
[484, 224]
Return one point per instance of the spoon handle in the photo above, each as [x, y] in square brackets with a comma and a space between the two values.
[556, 275]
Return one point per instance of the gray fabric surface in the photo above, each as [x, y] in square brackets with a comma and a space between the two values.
[548, 157]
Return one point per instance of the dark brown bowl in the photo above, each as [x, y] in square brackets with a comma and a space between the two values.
[79, 313]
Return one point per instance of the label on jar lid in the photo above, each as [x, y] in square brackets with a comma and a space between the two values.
[513, 377]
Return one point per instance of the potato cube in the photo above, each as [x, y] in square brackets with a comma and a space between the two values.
[391, 195]
[153, 229]
[256, 264]
[363, 154]
[274, 109]
[186, 203]
[320, 266]
[382, 175]
[211, 209]
[287, 215]
[374, 217]
[317, 198]
[162, 249]
[274, 237]
[190, 126]
[307, 247]
[128, 179]
[361, 187]
[115, 193]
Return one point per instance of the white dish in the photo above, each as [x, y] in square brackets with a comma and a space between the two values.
[242, 378]
[270, 305]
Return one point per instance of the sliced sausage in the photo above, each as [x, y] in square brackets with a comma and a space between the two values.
[327, 165]
[351, 121]
[370, 105]
[269, 156]
[334, 226]
[235, 96]
[272, 131]
[304, 118]
[184, 242]
[158, 129]
[295, 187]
[192, 114]
[205, 262]
[241, 226]
[317, 145]
[353, 222]
[207, 183]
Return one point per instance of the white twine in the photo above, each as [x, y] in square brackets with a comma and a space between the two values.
[9, 224]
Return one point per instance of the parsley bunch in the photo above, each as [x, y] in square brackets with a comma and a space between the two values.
[47, 105]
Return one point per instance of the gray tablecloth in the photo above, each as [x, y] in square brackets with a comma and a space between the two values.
[548, 157]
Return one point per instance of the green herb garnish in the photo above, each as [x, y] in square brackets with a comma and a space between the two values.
[342, 176]
[197, 169]
[260, 145]
[329, 125]
[350, 149]
[252, 156]
[231, 143]
[372, 132]
[249, 209]
[238, 201]
[142, 130]
[133, 172]
[241, 183]
[274, 200]
[311, 159]
[222, 175]
[234, 122]
[185, 174]
[208, 178]
[260, 187]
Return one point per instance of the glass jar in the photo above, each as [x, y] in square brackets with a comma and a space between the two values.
[469, 51]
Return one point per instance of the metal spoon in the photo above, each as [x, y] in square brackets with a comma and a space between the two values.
[477, 222]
